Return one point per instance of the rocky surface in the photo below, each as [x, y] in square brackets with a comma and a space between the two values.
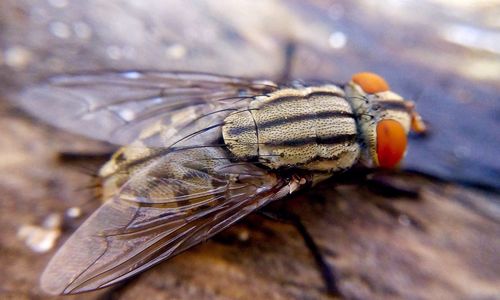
[446, 57]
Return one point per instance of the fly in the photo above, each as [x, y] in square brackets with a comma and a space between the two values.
[201, 151]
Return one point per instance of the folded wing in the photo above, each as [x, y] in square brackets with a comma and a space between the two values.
[117, 106]
[176, 202]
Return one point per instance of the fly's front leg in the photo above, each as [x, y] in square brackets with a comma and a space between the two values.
[327, 272]
[389, 187]
[379, 182]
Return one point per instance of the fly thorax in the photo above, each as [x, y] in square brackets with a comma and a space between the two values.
[310, 128]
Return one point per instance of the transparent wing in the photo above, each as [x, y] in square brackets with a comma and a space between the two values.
[117, 107]
[176, 202]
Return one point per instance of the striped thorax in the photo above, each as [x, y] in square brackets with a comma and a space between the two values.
[310, 128]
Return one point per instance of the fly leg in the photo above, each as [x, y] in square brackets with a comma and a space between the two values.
[289, 54]
[327, 272]
[73, 157]
[380, 182]
[115, 292]
[386, 186]
[389, 187]
[85, 162]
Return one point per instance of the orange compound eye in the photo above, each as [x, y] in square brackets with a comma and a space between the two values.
[370, 82]
[391, 143]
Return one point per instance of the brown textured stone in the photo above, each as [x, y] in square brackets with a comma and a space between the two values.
[450, 252]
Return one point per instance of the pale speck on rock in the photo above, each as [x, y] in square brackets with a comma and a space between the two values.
[82, 30]
[131, 75]
[41, 238]
[404, 220]
[244, 235]
[58, 3]
[17, 57]
[128, 52]
[114, 52]
[74, 212]
[60, 30]
[176, 51]
[337, 40]
[52, 221]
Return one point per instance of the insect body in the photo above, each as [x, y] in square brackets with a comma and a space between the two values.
[202, 151]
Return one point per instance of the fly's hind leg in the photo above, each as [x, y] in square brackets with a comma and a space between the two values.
[73, 157]
[85, 162]
[327, 272]
[116, 291]
[289, 55]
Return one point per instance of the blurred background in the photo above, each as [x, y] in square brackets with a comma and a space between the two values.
[444, 54]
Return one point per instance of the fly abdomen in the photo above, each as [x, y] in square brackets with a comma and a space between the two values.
[310, 128]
